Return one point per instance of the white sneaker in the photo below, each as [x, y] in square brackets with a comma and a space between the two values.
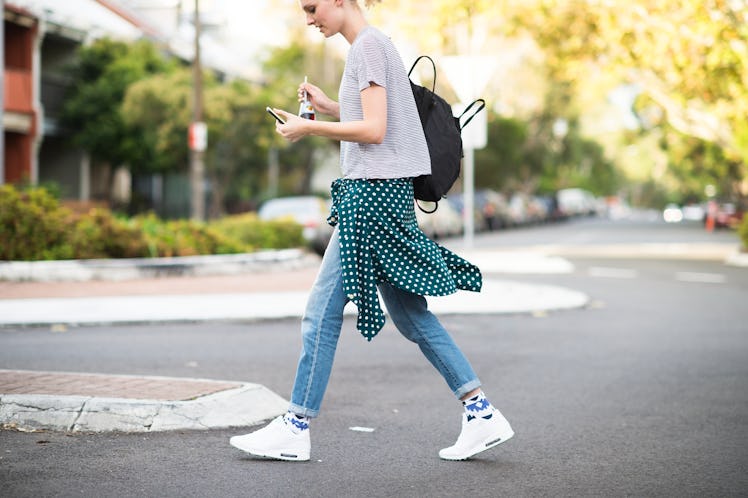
[478, 434]
[276, 440]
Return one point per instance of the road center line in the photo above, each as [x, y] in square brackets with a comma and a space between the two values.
[603, 272]
[705, 278]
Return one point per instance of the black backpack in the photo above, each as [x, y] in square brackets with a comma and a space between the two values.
[443, 137]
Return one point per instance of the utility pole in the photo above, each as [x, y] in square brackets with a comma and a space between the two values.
[197, 133]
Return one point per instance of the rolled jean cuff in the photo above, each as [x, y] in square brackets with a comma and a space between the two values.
[465, 388]
[305, 412]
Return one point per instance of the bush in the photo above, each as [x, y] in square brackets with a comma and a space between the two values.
[253, 232]
[743, 232]
[33, 226]
[185, 238]
[99, 234]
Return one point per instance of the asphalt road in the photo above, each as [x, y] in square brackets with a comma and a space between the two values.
[643, 393]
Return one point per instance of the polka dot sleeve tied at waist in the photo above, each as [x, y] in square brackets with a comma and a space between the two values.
[380, 242]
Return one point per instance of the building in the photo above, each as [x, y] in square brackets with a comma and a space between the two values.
[21, 96]
[41, 38]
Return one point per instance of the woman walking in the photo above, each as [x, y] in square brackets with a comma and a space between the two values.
[377, 243]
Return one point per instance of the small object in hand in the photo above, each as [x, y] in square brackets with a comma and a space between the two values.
[306, 110]
[272, 113]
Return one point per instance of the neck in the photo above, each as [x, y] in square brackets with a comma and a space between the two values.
[355, 23]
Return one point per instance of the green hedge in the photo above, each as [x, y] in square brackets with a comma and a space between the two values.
[250, 230]
[34, 226]
[743, 232]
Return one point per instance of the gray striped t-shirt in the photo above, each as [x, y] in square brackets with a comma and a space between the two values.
[373, 58]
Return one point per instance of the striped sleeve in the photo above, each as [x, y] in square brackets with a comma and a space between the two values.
[372, 66]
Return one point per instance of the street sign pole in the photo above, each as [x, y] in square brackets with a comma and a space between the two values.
[469, 197]
[469, 75]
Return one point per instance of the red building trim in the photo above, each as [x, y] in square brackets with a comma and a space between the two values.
[20, 115]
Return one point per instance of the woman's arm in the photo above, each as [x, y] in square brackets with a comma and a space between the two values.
[370, 130]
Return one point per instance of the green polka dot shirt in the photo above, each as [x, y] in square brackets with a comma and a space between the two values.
[380, 242]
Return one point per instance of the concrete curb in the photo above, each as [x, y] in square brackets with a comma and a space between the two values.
[129, 269]
[244, 406]
[738, 258]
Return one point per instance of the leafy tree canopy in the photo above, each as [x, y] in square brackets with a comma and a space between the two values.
[101, 76]
[688, 58]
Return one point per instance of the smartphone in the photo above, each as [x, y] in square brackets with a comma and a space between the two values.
[272, 113]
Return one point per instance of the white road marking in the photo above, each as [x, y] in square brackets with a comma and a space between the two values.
[703, 278]
[603, 272]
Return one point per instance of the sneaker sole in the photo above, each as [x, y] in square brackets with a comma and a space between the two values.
[286, 455]
[478, 449]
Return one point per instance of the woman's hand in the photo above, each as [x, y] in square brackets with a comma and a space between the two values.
[321, 102]
[294, 129]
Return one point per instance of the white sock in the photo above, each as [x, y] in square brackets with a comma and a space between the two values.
[297, 423]
[478, 406]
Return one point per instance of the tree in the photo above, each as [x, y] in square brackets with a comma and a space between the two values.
[535, 156]
[159, 108]
[527, 152]
[242, 135]
[689, 57]
[101, 75]
[694, 163]
[496, 166]
[284, 68]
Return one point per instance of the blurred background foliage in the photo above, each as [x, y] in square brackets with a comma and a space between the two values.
[35, 226]
[643, 99]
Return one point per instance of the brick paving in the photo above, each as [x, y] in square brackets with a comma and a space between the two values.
[108, 386]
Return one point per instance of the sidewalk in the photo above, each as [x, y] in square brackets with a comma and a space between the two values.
[210, 288]
[247, 287]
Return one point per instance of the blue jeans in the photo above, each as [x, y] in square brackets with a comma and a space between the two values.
[323, 319]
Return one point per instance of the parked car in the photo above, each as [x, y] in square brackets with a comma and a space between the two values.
[728, 216]
[518, 209]
[457, 201]
[309, 211]
[693, 212]
[672, 213]
[550, 205]
[537, 209]
[444, 222]
[576, 202]
[494, 208]
[616, 208]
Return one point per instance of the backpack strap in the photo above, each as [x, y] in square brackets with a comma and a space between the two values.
[436, 206]
[433, 65]
[479, 109]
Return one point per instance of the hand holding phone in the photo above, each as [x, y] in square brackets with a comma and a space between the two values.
[272, 113]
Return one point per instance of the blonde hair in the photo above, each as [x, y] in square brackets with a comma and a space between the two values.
[370, 3]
